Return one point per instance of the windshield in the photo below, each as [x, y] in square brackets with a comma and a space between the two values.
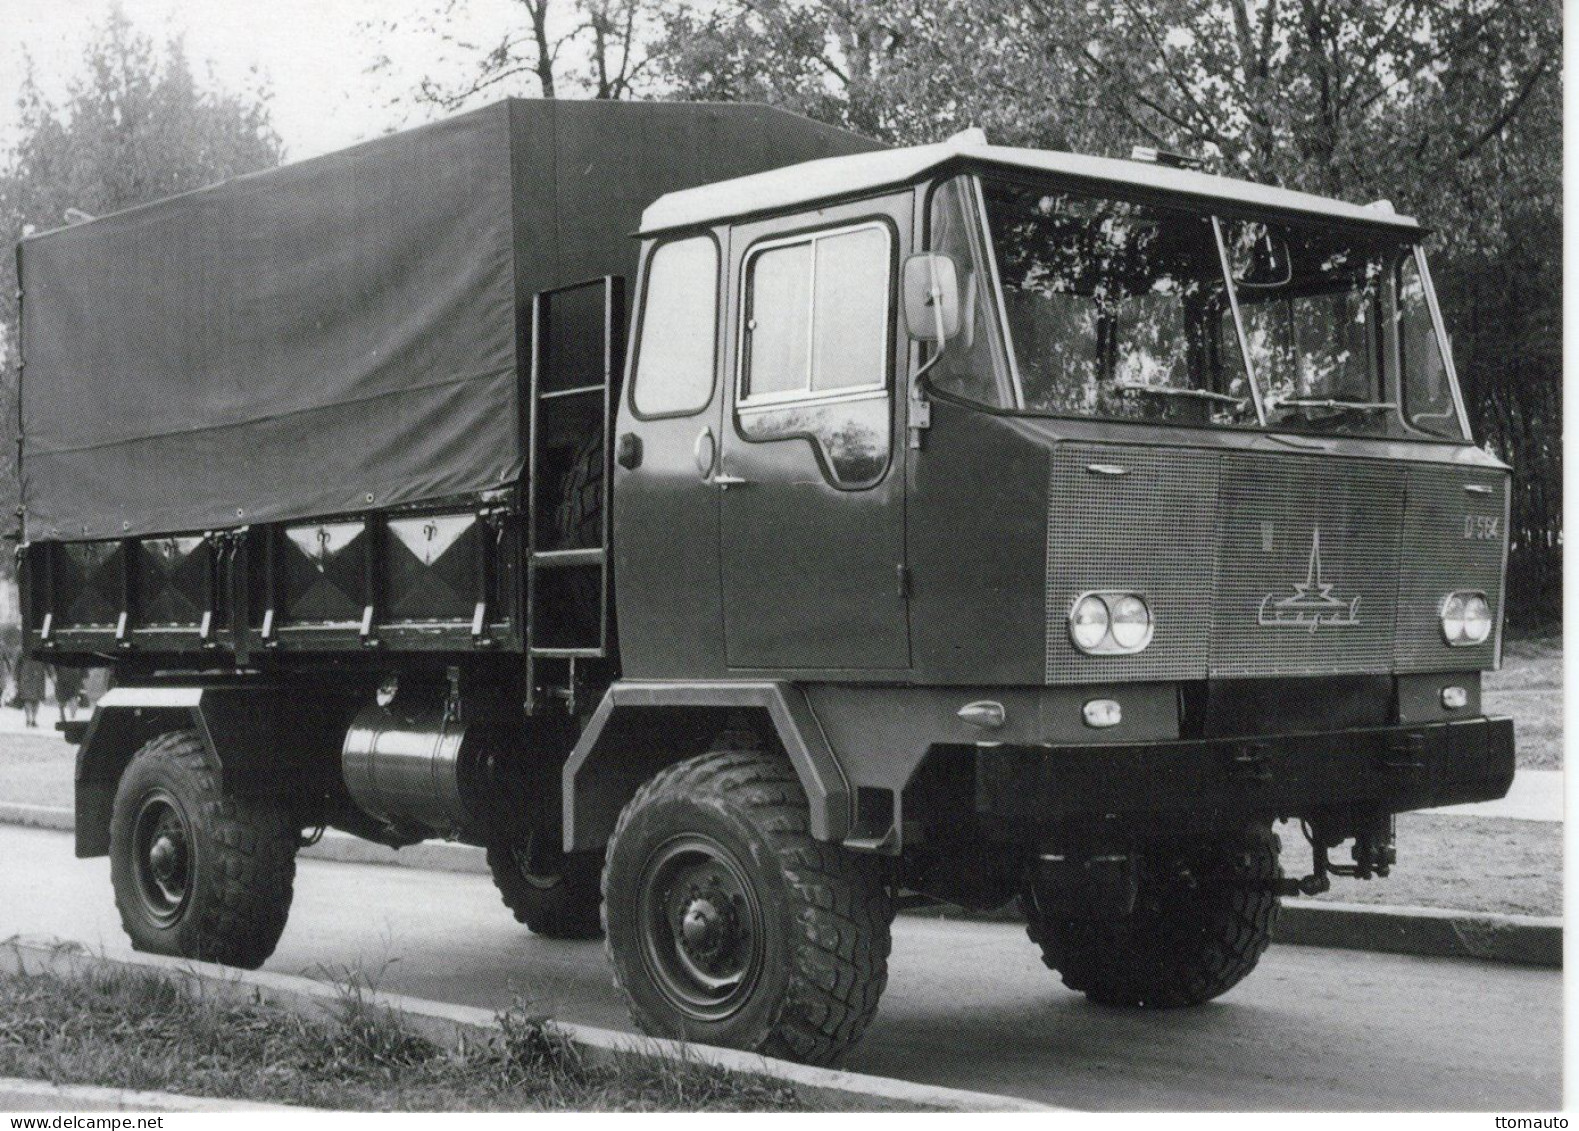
[1121, 310]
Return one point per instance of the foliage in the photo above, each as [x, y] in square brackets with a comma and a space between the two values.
[586, 48]
[135, 126]
[144, 1029]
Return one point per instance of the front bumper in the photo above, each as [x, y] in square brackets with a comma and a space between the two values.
[1191, 783]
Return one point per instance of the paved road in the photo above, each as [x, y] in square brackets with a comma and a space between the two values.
[968, 1004]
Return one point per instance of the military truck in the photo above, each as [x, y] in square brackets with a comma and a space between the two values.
[957, 523]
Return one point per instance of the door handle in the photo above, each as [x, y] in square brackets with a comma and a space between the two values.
[728, 481]
[627, 452]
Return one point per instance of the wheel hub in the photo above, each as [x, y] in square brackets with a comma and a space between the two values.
[165, 858]
[162, 856]
[703, 938]
[709, 928]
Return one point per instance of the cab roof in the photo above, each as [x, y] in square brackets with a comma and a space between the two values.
[813, 181]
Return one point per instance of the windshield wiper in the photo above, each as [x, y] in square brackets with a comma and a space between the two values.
[1318, 402]
[1170, 391]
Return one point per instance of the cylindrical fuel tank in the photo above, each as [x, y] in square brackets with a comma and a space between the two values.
[410, 771]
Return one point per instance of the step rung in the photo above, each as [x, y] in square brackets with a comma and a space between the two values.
[578, 391]
[568, 653]
[564, 559]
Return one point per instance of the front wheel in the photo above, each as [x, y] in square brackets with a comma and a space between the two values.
[198, 874]
[728, 924]
[1203, 916]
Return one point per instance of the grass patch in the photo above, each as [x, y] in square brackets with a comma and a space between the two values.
[1529, 689]
[1458, 863]
[141, 1029]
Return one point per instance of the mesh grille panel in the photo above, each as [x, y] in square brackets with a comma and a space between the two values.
[1152, 530]
[1307, 566]
[1453, 539]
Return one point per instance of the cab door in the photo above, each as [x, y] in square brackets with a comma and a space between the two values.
[666, 506]
[810, 477]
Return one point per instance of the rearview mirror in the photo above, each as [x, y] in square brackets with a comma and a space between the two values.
[1260, 258]
[932, 307]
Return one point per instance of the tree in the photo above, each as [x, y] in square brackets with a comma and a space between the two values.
[589, 48]
[135, 126]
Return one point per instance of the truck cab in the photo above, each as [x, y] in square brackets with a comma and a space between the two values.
[1055, 451]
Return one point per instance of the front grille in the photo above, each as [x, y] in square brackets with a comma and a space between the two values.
[1307, 566]
[1265, 565]
[1142, 520]
[1453, 539]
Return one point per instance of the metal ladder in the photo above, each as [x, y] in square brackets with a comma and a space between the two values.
[562, 657]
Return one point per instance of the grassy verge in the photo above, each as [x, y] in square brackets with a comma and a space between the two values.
[1459, 863]
[142, 1030]
[1529, 689]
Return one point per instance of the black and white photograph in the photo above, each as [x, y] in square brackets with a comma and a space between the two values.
[781, 556]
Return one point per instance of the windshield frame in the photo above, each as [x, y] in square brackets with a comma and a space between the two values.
[1217, 212]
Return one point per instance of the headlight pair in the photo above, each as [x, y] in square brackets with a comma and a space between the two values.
[1466, 618]
[1110, 623]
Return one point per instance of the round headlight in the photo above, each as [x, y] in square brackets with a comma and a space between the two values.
[1131, 622]
[1453, 617]
[1088, 623]
[1477, 619]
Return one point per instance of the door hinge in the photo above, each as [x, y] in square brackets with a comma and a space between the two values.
[920, 419]
[902, 572]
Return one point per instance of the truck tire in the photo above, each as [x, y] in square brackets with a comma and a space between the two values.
[726, 923]
[1203, 917]
[578, 524]
[578, 519]
[198, 874]
[562, 904]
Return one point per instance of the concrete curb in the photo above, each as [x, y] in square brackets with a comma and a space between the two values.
[18, 1095]
[448, 1024]
[1425, 931]
[1431, 931]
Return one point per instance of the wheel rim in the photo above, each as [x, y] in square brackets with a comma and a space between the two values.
[702, 940]
[523, 867]
[162, 856]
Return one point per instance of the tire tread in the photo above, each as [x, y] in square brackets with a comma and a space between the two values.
[1173, 956]
[844, 910]
[242, 900]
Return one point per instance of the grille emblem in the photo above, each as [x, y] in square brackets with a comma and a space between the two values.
[1312, 604]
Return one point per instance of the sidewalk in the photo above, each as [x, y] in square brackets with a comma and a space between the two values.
[12, 721]
[1537, 795]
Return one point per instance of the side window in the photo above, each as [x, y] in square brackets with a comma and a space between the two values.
[816, 348]
[674, 368]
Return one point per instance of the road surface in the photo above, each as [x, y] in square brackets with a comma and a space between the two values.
[968, 1004]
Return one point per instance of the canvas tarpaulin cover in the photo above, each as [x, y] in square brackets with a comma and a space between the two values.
[347, 333]
[312, 340]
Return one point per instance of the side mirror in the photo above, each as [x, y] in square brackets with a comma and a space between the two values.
[932, 300]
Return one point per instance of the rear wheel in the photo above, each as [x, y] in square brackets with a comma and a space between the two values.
[557, 899]
[729, 925]
[1203, 916]
[198, 874]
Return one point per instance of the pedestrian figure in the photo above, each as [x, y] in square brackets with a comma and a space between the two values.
[68, 690]
[30, 677]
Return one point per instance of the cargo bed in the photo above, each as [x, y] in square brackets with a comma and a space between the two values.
[339, 405]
